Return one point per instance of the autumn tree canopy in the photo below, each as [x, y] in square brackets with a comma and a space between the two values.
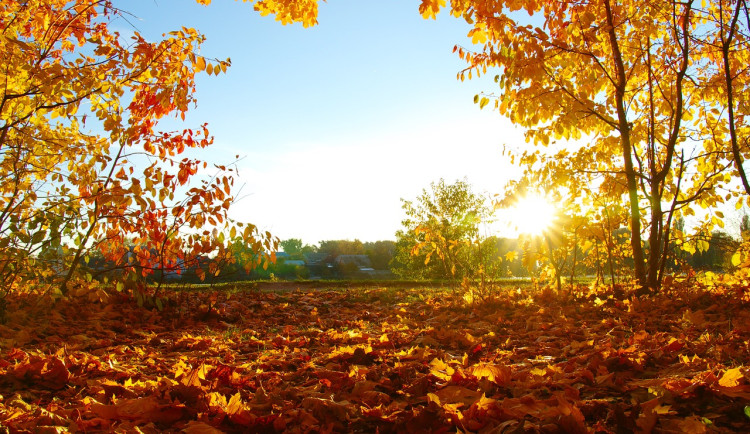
[653, 93]
[85, 167]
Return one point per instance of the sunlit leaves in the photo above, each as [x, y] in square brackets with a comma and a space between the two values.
[285, 11]
[85, 168]
[482, 101]
[643, 85]
[430, 8]
[731, 377]
[496, 374]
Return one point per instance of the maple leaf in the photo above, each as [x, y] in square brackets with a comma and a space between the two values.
[440, 369]
[50, 372]
[325, 410]
[497, 374]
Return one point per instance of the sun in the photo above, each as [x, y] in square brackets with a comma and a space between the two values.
[532, 215]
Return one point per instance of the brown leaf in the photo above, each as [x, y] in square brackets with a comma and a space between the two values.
[50, 373]
[195, 427]
[458, 394]
[325, 410]
[138, 408]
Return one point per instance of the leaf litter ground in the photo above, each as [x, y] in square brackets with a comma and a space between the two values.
[378, 360]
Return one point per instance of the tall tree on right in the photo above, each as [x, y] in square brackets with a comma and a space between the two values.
[656, 88]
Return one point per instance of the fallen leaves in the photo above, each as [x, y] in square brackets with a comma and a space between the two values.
[731, 377]
[387, 360]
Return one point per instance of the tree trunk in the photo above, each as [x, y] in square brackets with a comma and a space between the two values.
[627, 151]
[655, 239]
[726, 44]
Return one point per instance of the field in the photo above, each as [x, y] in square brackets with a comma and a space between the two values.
[378, 359]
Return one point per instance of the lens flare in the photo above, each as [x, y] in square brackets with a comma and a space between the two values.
[532, 215]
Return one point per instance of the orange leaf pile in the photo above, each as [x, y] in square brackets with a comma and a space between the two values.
[377, 359]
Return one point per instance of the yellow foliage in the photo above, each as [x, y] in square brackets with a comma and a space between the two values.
[65, 73]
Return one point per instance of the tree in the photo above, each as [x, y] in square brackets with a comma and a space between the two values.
[631, 78]
[438, 231]
[380, 253]
[718, 255]
[292, 246]
[83, 164]
[729, 36]
[295, 248]
[334, 248]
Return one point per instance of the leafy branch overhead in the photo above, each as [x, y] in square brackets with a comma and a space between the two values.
[85, 168]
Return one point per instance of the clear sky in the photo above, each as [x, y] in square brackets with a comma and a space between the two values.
[336, 123]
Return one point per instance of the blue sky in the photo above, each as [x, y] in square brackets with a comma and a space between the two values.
[336, 123]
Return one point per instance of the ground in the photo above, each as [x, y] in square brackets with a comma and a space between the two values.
[378, 359]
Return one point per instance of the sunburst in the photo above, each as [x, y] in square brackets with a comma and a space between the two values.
[532, 215]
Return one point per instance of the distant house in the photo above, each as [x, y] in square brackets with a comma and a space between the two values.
[313, 259]
[354, 265]
[359, 260]
[318, 264]
[282, 255]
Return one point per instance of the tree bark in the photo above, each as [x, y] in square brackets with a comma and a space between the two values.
[627, 151]
[726, 44]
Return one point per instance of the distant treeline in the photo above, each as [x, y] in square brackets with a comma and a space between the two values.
[499, 257]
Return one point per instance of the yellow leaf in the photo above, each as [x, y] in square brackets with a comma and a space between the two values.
[458, 394]
[736, 259]
[539, 372]
[431, 397]
[731, 377]
[430, 8]
[441, 370]
[235, 404]
[494, 373]
[478, 36]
